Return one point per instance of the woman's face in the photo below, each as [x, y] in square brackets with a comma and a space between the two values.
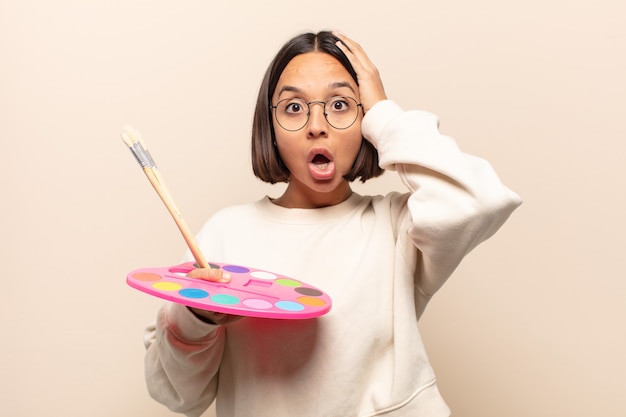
[318, 156]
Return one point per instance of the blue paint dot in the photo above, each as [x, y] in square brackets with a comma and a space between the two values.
[289, 306]
[193, 293]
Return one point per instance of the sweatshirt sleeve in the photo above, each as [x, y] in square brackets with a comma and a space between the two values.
[182, 360]
[456, 200]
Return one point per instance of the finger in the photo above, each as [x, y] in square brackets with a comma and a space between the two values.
[371, 87]
[346, 40]
[349, 47]
[356, 55]
[209, 274]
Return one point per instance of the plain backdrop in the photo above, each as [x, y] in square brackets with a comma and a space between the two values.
[533, 322]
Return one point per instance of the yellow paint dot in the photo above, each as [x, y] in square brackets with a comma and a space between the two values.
[167, 286]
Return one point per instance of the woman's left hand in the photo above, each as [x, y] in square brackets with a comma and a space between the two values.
[371, 88]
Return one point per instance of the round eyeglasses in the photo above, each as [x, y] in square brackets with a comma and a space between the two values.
[293, 114]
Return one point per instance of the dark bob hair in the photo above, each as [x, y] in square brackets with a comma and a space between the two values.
[266, 162]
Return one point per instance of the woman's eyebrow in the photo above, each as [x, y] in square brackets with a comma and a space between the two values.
[331, 86]
[289, 88]
[342, 84]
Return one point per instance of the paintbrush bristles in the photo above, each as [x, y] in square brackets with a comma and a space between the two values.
[133, 140]
[130, 136]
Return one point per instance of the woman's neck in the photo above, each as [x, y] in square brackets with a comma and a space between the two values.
[295, 198]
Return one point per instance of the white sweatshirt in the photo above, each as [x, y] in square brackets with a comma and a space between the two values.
[379, 258]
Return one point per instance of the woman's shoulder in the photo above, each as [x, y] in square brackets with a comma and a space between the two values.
[237, 209]
[391, 200]
[229, 214]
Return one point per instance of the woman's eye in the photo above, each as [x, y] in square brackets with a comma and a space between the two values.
[339, 104]
[293, 108]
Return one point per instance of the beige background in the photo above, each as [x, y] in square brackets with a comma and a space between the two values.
[532, 324]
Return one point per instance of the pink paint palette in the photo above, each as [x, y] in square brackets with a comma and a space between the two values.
[251, 292]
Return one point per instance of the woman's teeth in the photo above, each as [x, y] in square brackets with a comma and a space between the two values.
[321, 162]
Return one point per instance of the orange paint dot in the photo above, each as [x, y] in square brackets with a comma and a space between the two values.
[311, 301]
[146, 276]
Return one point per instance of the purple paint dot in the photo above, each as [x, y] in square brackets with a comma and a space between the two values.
[236, 269]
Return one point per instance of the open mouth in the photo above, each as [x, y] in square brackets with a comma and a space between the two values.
[320, 161]
[321, 164]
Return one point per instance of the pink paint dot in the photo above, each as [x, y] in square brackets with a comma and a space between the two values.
[257, 304]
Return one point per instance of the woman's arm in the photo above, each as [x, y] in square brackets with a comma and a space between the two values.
[456, 200]
[182, 360]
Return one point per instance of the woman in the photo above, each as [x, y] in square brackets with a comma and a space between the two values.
[323, 120]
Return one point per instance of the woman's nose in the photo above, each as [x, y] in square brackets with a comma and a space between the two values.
[318, 125]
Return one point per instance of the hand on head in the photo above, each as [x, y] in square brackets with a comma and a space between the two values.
[371, 87]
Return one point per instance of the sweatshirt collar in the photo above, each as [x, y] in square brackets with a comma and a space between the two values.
[304, 216]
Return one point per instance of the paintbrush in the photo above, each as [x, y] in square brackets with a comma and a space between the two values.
[134, 141]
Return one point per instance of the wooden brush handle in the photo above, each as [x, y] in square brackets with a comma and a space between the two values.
[161, 190]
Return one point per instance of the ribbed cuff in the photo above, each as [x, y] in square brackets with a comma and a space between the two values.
[185, 324]
[377, 119]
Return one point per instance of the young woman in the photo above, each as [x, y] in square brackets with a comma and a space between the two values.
[323, 120]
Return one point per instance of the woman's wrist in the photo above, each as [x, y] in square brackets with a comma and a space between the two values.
[213, 318]
[201, 315]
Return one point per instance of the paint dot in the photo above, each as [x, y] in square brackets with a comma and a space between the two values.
[167, 286]
[180, 270]
[257, 304]
[193, 293]
[225, 299]
[309, 291]
[263, 275]
[311, 301]
[146, 276]
[236, 269]
[288, 282]
[289, 305]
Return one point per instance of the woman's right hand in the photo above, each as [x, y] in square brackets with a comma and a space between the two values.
[212, 317]
[209, 274]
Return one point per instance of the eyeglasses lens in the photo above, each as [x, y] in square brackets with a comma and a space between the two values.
[293, 113]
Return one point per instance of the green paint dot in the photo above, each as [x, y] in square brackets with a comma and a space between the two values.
[287, 282]
[225, 299]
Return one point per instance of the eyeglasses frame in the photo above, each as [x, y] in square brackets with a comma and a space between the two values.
[308, 115]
